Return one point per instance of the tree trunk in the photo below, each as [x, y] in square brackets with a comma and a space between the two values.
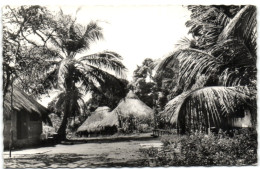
[70, 90]
[62, 130]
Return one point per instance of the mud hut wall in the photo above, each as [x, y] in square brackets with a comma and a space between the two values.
[34, 131]
[8, 123]
[6, 133]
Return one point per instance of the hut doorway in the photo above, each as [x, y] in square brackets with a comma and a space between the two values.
[22, 125]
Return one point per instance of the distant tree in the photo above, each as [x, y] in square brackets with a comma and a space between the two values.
[154, 89]
[143, 83]
[166, 80]
[110, 99]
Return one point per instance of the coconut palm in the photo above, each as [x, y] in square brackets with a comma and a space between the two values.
[219, 78]
[75, 74]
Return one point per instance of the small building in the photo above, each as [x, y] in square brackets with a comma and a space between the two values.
[133, 114]
[242, 117]
[24, 120]
[242, 120]
[101, 122]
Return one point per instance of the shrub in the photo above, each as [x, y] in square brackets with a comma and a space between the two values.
[199, 149]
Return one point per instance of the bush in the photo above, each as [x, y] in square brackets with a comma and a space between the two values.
[206, 150]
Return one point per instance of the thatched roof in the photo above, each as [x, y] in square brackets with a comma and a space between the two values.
[100, 118]
[23, 102]
[131, 105]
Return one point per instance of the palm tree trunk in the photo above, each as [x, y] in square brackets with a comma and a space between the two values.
[62, 130]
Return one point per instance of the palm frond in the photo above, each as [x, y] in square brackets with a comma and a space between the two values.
[209, 106]
[63, 72]
[208, 14]
[200, 82]
[206, 23]
[92, 33]
[243, 27]
[234, 52]
[73, 35]
[60, 100]
[168, 62]
[72, 98]
[186, 43]
[77, 72]
[197, 10]
[193, 63]
[222, 18]
[240, 76]
[95, 77]
[107, 60]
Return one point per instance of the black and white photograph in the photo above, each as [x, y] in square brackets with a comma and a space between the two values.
[129, 85]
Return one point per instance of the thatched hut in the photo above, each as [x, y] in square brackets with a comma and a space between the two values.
[242, 119]
[24, 120]
[188, 112]
[101, 122]
[133, 114]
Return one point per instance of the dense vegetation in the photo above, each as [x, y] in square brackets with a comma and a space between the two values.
[216, 82]
[199, 149]
[217, 68]
[40, 54]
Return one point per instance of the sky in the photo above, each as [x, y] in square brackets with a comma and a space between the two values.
[134, 32]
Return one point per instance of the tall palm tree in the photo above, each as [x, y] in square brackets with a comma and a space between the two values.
[72, 73]
[219, 77]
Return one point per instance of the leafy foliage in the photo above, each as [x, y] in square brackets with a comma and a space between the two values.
[25, 49]
[152, 89]
[44, 55]
[110, 98]
[199, 149]
[207, 22]
[143, 84]
[223, 55]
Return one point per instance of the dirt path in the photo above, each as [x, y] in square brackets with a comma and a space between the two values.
[115, 154]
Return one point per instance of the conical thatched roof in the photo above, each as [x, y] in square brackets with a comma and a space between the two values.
[131, 105]
[100, 118]
[23, 102]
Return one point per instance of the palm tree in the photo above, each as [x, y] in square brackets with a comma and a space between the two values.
[218, 74]
[74, 74]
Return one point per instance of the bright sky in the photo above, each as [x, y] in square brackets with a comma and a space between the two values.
[134, 32]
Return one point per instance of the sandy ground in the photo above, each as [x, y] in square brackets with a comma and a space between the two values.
[115, 154]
